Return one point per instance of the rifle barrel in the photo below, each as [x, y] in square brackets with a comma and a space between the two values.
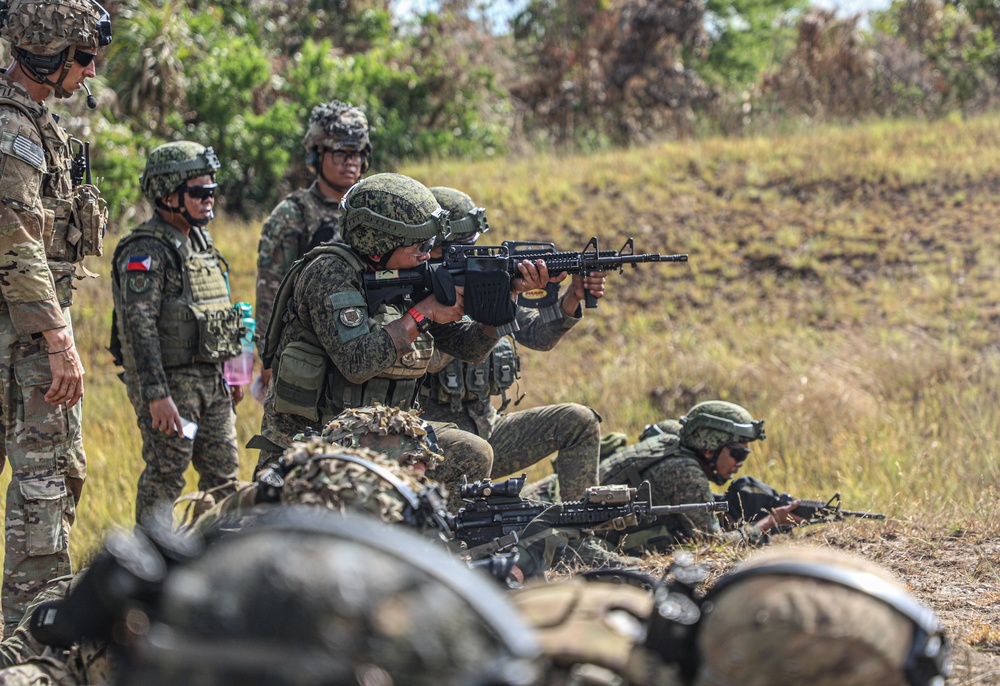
[862, 515]
[660, 510]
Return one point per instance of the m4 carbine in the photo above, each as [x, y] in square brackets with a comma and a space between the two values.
[495, 513]
[750, 500]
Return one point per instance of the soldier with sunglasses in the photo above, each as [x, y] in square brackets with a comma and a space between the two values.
[51, 220]
[174, 326]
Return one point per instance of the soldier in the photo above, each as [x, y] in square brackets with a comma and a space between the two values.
[338, 152]
[331, 355]
[174, 328]
[51, 220]
[711, 447]
[461, 392]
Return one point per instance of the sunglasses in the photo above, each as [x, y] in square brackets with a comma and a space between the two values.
[342, 156]
[84, 58]
[201, 192]
[738, 452]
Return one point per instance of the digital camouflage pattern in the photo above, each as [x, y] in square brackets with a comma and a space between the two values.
[521, 439]
[594, 630]
[47, 27]
[467, 221]
[784, 629]
[300, 222]
[337, 125]
[197, 389]
[706, 438]
[667, 426]
[171, 164]
[401, 204]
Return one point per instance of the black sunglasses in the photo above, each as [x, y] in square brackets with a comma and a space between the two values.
[738, 452]
[201, 192]
[84, 58]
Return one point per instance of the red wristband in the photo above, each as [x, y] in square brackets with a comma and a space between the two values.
[423, 323]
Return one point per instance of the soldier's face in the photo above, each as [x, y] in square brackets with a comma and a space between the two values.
[408, 257]
[343, 167]
[727, 465]
[200, 208]
[80, 72]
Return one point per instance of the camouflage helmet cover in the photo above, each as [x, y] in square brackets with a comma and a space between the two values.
[171, 164]
[386, 211]
[400, 435]
[667, 426]
[715, 423]
[335, 125]
[467, 220]
[47, 27]
[310, 598]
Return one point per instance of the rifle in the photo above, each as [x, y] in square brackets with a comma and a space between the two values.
[751, 500]
[80, 170]
[486, 272]
[495, 513]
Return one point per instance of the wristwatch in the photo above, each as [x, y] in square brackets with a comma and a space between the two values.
[423, 323]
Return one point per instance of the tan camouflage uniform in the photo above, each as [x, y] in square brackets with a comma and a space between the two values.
[520, 439]
[43, 442]
[299, 223]
[197, 387]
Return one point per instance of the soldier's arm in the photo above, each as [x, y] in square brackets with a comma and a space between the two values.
[138, 305]
[278, 249]
[689, 485]
[538, 334]
[464, 339]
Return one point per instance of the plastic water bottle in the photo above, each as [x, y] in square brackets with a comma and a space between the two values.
[238, 370]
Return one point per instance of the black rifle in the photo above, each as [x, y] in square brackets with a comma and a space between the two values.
[751, 500]
[486, 272]
[80, 171]
[495, 513]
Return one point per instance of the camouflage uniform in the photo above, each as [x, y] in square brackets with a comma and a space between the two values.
[47, 227]
[162, 277]
[519, 439]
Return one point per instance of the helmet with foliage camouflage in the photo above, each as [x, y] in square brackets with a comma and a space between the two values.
[713, 424]
[304, 597]
[170, 165]
[468, 222]
[400, 435]
[336, 125]
[817, 616]
[386, 211]
[45, 28]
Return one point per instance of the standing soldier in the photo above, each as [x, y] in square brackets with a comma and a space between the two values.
[174, 327]
[461, 392]
[50, 221]
[337, 152]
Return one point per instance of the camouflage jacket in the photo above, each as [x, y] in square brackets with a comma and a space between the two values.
[328, 306]
[534, 332]
[299, 223]
[27, 286]
[676, 477]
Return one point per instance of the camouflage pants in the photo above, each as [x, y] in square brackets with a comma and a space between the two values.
[520, 439]
[201, 396]
[465, 455]
[48, 466]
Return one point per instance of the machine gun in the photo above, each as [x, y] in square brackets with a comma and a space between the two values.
[486, 273]
[80, 171]
[750, 500]
[495, 513]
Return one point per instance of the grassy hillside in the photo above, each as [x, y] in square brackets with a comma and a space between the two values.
[844, 286]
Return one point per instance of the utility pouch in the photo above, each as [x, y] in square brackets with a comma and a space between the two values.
[299, 380]
[90, 216]
[219, 333]
[487, 291]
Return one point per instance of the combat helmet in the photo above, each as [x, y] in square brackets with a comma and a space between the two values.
[467, 220]
[387, 211]
[44, 34]
[714, 424]
[661, 428]
[400, 435]
[336, 125]
[168, 169]
[816, 616]
[307, 598]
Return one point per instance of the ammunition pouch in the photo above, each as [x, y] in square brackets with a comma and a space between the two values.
[299, 380]
[90, 217]
[219, 333]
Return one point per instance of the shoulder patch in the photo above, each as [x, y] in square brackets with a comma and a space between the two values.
[139, 282]
[20, 146]
[140, 263]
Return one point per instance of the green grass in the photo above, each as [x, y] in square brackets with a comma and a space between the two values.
[843, 285]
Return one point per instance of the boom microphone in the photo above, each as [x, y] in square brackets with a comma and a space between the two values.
[91, 100]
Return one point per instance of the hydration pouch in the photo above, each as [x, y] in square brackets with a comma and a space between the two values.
[299, 380]
[90, 215]
[219, 333]
[487, 291]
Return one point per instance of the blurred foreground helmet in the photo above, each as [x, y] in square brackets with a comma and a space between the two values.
[713, 424]
[309, 598]
[171, 165]
[45, 28]
[400, 435]
[467, 221]
[820, 617]
[333, 126]
[386, 211]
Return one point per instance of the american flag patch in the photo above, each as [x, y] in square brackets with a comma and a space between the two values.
[140, 264]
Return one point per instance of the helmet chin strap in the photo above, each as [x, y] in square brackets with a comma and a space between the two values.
[62, 70]
[711, 467]
[182, 210]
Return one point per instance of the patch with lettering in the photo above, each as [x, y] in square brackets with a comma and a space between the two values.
[139, 282]
[351, 316]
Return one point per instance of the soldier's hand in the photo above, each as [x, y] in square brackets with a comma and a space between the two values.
[579, 286]
[67, 369]
[440, 313]
[165, 416]
[236, 393]
[533, 277]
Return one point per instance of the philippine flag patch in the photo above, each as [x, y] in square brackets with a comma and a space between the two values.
[140, 264]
